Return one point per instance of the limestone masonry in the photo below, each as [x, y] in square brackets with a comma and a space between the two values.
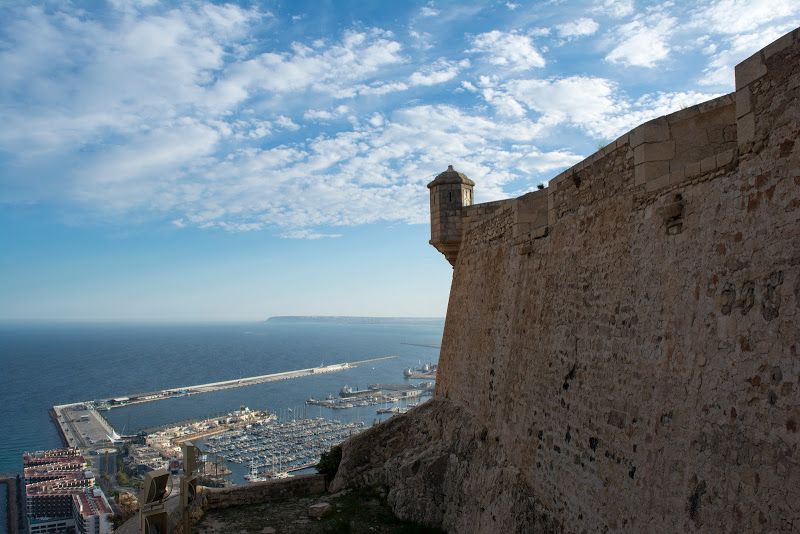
[621, 347]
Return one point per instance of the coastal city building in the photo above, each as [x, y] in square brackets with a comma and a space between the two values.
[60, 495]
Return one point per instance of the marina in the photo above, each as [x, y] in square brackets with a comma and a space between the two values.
[273, 449]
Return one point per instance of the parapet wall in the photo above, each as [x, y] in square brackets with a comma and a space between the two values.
[690, 144]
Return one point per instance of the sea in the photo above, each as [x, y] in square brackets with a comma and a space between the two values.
[44, 364]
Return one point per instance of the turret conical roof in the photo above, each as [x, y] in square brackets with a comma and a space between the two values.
[451, 176]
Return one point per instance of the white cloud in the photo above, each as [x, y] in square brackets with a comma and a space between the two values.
[181, 114]
[743, 16]
[577, 28]
[512, 6]
[593, 104]
[514, 51]
[376, 120]
[286, 122]
[428, 11]
[643, 44]
[374, 172]
[440, 72]
[615, 8]
[737, 36]
[420, 40]
[326, 115]
[307, 234]
[585, 101]
[381, 88]
[333, 69]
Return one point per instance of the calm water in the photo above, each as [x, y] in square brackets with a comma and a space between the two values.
[42, 365]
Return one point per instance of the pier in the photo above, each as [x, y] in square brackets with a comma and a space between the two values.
[82, 425]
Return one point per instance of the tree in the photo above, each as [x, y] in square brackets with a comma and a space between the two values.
[329, 462]
[122, 479]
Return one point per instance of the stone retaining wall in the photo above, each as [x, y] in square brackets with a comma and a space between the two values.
[258, 492]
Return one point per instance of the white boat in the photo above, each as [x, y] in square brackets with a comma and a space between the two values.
[253, 475]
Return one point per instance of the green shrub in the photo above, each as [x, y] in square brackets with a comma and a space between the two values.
[122, 479]
[329, 462]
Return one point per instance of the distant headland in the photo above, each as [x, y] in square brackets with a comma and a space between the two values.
[349, 319]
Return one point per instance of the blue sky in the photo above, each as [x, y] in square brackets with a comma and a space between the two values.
[215, 161]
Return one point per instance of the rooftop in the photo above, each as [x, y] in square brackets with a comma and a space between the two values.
[451, 176]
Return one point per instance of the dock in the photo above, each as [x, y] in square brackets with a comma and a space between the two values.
[82, 425]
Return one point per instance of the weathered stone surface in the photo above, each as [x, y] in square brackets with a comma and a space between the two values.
[665, 150]
[750, 70]
[442, 468]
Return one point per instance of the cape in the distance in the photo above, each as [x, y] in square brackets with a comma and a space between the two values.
[349, 319]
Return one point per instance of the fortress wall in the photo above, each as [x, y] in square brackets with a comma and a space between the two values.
[658, 154]
[477, 213]
[633, 365]
[639, 365]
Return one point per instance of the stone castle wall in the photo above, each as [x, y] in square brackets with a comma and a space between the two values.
[661, 153]
[621, 348]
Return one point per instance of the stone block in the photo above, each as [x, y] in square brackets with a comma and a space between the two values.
[677, 176]
[650, 170]
[716, 135]
[729, 133]
[650, 132]
[743, 102]
[658, 183]
[750, 70]
[682, 115]
[724, 158]
[541, 231]
[692, 169]
[708, 164]
[664, 150]
[638, 175]
[777, 45]
[522, 228]
[746, 129]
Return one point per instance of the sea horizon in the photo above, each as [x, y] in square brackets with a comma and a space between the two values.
[49, 363]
